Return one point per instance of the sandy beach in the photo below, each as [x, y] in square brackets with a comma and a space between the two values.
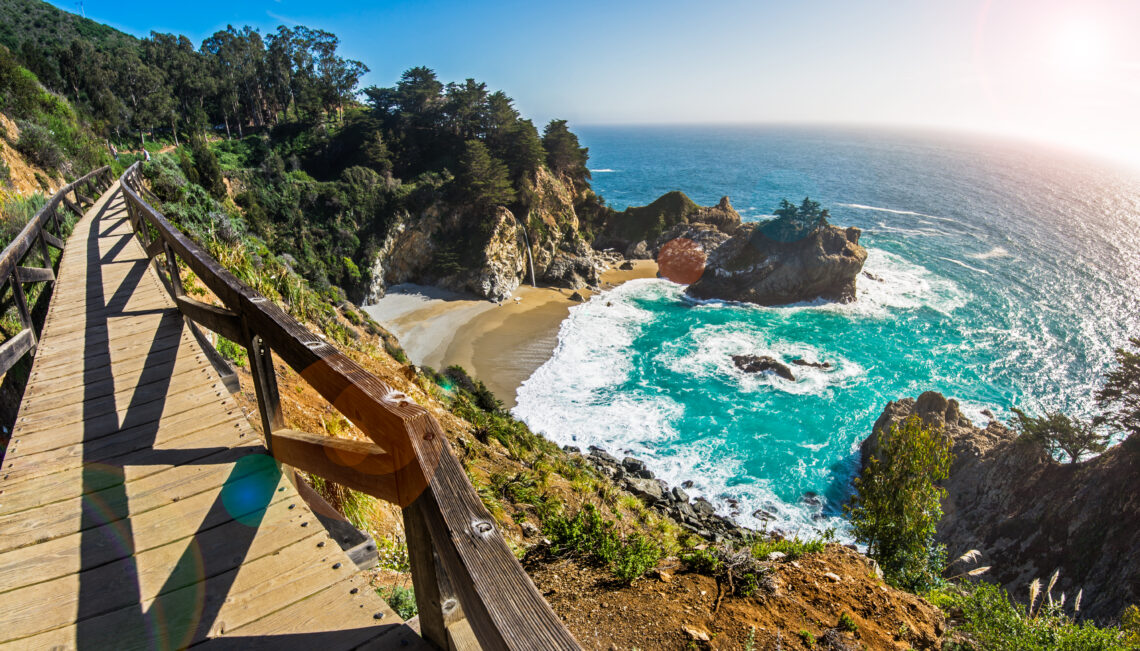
[502, 344]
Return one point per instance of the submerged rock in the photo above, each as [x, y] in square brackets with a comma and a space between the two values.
[799, 361]
[756, 268]
[761, 364]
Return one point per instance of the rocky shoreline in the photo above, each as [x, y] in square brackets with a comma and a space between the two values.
[697, 515]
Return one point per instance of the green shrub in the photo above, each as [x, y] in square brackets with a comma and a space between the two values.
[393, 555]
[793, 547]
[590, 536]
[994, 621]
[5, 174]
[38, 145]
[807, 638]
[402, 600]
[231, 351]
[896, 506]
[847, 623]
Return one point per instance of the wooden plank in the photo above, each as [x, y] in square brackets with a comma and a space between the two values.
[52, 240]
[171, 432]
[126, 367]
[218, 319]
[358, 465]
[234, 598]
[167, 524]
[152, 402]
[123, 381]
[148, 574]
[178, 437]
[47, 365]
[342, 616]
[150, 488]
[35, 274]
[15, 348]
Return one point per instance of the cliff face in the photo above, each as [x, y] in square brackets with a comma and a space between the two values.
[437, 247]
[755, 268]
[641, 231]
[1030, 515]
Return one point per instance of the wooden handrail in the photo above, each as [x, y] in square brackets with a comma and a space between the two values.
[37, 230]
[465, 576]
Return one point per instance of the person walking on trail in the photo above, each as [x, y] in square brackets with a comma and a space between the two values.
[146, 155]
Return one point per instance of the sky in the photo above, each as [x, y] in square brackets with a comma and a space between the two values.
[1066, 72]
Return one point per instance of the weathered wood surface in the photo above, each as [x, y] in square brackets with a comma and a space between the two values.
[138, 508]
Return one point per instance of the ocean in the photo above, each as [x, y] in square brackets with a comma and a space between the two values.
[1008, 276]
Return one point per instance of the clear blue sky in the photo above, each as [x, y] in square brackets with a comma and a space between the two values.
[1061, 70]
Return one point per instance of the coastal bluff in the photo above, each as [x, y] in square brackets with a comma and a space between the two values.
[1030, 515]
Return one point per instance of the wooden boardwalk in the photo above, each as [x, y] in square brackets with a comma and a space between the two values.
[138, 508]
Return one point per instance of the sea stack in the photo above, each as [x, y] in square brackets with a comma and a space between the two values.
[797, 257]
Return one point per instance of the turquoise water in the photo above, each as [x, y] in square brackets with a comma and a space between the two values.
[1009, 274]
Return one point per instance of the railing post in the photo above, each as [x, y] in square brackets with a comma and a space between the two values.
[172, 270]
[44, 249]
[435, 599]
[22, 307]
[265, 386]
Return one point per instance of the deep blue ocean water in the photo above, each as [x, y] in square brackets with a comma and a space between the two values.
[1009, 273]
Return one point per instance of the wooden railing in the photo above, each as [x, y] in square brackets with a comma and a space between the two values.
[466, 578]
[38, 230]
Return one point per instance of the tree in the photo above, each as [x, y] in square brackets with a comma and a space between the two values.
[483, 178]
[1120, 396]
[207, 167]
[795, 222]
[896, 506]
[1058, 433]
[563, 154]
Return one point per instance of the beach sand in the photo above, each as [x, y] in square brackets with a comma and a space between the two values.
[502, 345]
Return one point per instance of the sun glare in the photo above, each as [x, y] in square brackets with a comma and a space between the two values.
[1079, 47]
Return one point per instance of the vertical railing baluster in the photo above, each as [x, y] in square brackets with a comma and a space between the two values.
[265, 386]
[22, 307]
[436, 601]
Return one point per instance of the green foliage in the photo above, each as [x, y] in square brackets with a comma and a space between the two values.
[590, 536]
[993, 621]
[209, 172]
[402, 599]
[1120, 396]
[15, 212]
[231, 351]
[1058, 433]
[563, 153]
[793, 547]
[847, 623]
[647, 222]
[1130, 626]
[795, 222]
[807, 638]
[393, 554]
[38, 146]
[5, 173]
[483, 180]
[897, 504]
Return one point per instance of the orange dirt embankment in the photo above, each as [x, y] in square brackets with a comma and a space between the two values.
[21, 173]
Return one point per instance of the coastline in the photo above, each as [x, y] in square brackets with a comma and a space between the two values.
[501, 344]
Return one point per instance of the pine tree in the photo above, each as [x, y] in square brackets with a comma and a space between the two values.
[483, 179]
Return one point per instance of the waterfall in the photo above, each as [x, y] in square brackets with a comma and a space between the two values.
[529, 258]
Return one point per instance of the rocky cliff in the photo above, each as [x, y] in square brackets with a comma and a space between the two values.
[1030, 515]
[757, 268]
[640, 231]
[438, 245]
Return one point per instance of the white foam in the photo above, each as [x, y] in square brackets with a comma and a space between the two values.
[602, 171]
[860, 206]
[706, 353]
[963, 264]
[996, 252]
